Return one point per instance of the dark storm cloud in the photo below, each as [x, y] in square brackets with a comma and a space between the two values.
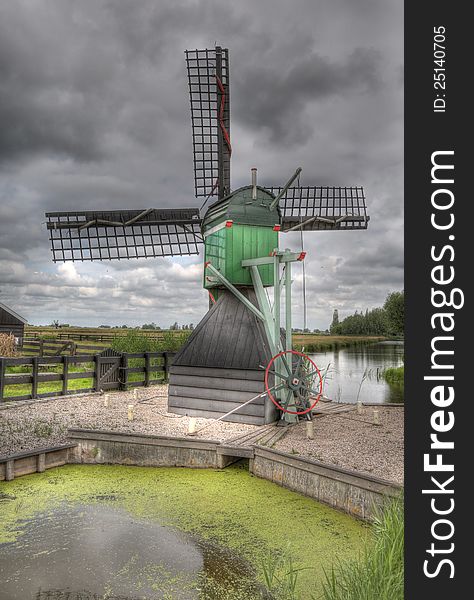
[277, 99]
[94, 112]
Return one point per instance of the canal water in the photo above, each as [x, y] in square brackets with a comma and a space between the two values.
[84, 532]
[357, 371]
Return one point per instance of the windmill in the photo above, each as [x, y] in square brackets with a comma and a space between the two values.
[238, 363]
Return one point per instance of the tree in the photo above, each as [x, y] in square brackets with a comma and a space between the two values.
[395, 311]
[335, 321]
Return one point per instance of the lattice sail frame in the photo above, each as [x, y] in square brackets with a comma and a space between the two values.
[209, 91]
[320, 208]
[124, 234]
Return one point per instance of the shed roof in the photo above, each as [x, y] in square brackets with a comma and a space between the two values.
[11, 312]
[228, 337]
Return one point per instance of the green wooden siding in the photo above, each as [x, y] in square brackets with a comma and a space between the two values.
[226, 249]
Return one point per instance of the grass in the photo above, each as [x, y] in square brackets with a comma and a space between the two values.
[378, 574]
[394, 375]
[281, 575]
[74, 385]
[323, 343]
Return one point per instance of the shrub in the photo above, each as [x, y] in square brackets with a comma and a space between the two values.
[394, 375]
[7, 344]
[135, 341]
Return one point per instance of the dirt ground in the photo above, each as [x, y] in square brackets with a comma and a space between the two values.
[45, 423]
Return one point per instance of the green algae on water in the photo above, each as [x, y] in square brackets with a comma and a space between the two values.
[231, 509]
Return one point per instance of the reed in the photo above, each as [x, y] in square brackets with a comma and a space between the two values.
[378, 574]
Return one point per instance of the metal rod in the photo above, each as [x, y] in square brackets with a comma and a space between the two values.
[276, 311]
[254, 183]
[236, 292]
[233, 410]
[288, 325]
[276, 302]
[285, 188]
[265, 308]
[285, 257]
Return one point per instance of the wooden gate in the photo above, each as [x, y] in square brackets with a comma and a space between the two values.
[108, 369]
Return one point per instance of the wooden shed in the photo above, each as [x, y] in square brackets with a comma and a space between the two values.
[12, 322]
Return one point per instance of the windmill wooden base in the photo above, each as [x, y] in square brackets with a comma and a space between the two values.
[220, 367]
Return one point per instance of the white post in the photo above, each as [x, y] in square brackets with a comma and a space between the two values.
[376, 416]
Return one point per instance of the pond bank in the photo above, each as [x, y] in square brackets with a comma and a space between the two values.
[347, 440]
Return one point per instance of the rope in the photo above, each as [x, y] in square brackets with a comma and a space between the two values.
[304, 267]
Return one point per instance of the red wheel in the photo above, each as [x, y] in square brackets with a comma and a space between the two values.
[297, 381]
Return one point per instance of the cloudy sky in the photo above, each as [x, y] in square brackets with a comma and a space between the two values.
[94, 113]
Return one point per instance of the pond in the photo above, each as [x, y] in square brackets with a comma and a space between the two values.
[361, 367]
[128, 533]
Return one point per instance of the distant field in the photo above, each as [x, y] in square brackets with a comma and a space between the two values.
[97, 334]
[310, 341]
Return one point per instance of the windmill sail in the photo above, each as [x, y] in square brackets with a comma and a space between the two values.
[122, 234]
[209, 90]
[313, 208]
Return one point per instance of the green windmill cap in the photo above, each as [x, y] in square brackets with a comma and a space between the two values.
[240, 208]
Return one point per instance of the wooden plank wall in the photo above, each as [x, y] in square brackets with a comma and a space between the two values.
[211, 393]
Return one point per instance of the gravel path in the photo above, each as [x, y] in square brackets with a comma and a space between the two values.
[45, 423]
[346, 441]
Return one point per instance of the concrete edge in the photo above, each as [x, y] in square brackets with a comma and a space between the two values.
[356, 493]
[332, 471]
[142, 438]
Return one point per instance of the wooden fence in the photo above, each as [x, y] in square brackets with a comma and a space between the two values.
[106, 371]
[56, 347]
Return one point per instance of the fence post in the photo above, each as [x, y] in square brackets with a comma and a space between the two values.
[65, 374]
[34, 374]
[147, 369]
[3, 368]
[124, 372]
[41, 344]
[95, 383]
[165, 366]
